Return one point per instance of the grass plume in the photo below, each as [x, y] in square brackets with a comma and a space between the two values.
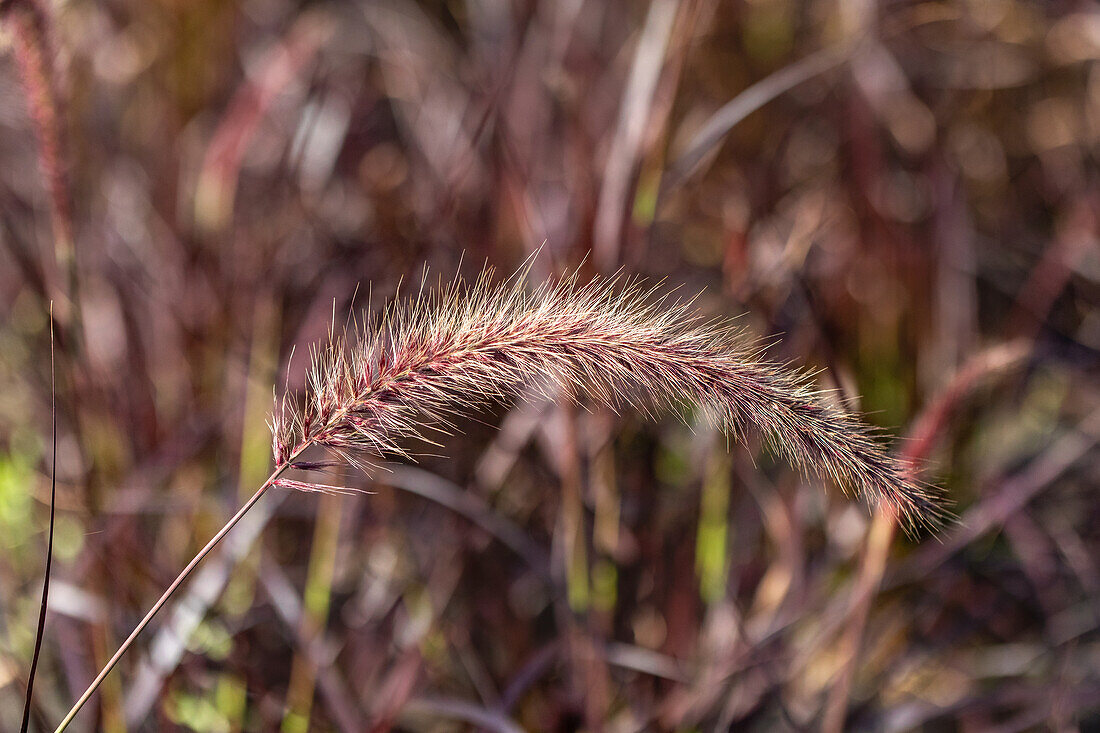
[32, 28]
[463, 346]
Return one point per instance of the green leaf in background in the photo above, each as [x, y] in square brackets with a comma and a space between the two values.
[16, 486]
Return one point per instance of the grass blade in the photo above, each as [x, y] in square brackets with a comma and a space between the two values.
[49, 543]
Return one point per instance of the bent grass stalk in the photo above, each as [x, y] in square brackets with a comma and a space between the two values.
[461, 347]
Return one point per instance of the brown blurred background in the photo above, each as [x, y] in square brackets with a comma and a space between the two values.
[900, 195]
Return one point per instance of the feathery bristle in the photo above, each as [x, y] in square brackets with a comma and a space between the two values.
[460, 347]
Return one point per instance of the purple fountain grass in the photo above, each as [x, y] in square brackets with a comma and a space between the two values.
[31, 26]
[461, 347]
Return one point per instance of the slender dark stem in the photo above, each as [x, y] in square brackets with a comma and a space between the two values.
[172, 589]
[49, 543]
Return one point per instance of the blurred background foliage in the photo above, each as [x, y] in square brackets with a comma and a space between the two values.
[900, 195]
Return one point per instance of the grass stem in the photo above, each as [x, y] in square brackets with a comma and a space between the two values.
[168, 594]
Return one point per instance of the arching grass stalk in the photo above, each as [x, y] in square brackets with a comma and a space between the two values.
[461, 347]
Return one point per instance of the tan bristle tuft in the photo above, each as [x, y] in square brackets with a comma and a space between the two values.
[462, 347]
